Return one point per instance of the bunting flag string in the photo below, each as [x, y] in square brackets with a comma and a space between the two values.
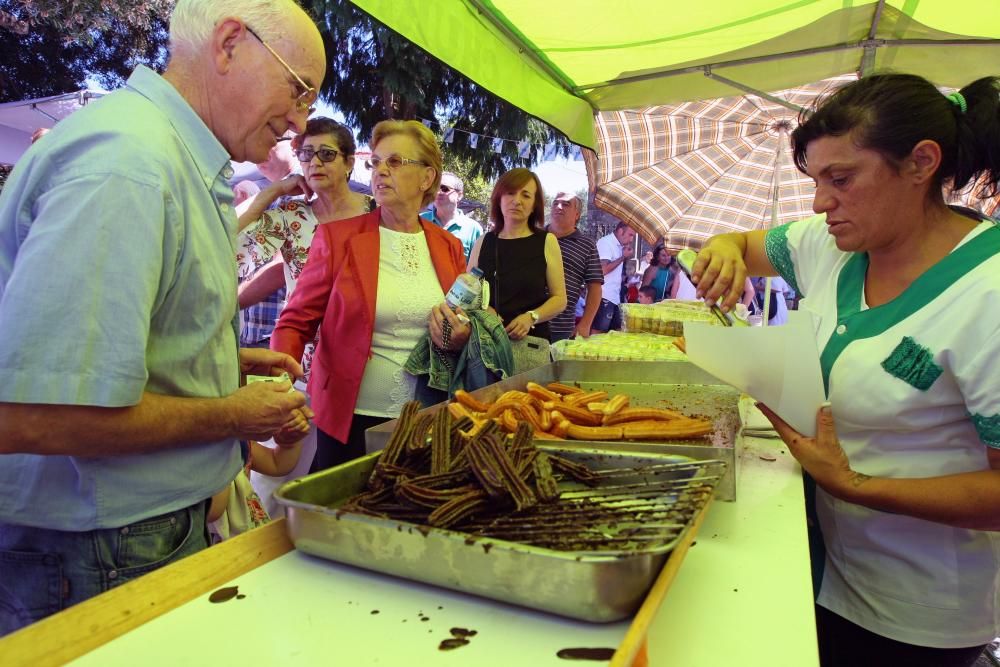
[548, 151]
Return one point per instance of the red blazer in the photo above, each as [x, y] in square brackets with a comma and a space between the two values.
[336, 293]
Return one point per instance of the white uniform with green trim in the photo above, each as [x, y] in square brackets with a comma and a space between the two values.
[915, 389]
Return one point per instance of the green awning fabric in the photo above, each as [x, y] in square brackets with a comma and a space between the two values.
[562, 60]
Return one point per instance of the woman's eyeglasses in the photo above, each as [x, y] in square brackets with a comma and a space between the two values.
[324, 154]
[394, 162]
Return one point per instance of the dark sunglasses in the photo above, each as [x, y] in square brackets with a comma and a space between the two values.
[324, 154]
[447, 189]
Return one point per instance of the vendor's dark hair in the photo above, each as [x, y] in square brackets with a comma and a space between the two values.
[891, 113]
[513, 181]
[323, 125]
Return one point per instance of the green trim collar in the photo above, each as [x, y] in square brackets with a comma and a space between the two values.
[855, 324]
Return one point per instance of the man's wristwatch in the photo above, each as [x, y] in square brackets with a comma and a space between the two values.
[534, 317]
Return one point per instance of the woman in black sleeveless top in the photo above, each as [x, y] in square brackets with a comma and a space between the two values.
[520, 260]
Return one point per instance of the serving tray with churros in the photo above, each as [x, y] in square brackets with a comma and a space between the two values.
[588, 547]
[642, 407]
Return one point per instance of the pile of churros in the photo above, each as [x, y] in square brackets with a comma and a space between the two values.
[558, 411]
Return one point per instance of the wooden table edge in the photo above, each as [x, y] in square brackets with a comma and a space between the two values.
[81, 628]
[632, 650]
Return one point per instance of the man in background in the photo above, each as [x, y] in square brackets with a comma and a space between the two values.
[444, 212]
[581, 267]
[115, 431]
[614, 250]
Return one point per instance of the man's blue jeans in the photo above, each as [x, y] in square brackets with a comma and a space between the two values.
[44, 571]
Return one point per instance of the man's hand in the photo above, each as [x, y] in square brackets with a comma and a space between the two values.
[460, 330]
[261, 409]
[582, 329]
[261, 361]
[822, 456]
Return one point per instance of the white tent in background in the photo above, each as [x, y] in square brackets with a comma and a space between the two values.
[19, 119]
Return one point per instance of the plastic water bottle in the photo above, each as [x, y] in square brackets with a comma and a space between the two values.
[467, 292]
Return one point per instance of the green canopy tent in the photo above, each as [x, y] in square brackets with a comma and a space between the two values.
[564, 60]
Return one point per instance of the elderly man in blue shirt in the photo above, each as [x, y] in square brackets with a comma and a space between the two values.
[121, 405]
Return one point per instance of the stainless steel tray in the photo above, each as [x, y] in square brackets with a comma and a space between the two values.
[671, 384]
[591, 586]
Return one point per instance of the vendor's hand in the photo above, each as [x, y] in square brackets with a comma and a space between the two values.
[822, 456]
[719, 273]
[290, 186]
[259, 410]
[261, 361]
[582, 329]
[436, 325]
[296, 428]
[519, 327]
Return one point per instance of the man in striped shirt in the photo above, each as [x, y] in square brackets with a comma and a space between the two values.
[581, 266]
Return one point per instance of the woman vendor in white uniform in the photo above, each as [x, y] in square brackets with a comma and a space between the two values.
[906, 294]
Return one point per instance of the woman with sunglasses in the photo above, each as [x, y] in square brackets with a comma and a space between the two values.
[369, 288]
[326, 153]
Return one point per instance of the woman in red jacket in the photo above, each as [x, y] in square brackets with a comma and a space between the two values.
[369, 286]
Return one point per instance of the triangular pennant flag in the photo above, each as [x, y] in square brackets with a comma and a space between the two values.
[550, 151]
[426, 123]
[497, 145]
[473, 139]
[523, 149]
[449, 135]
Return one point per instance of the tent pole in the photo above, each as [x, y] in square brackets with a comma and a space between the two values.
[752, 91]
[868, 56]
[779, 159]
[887, 43]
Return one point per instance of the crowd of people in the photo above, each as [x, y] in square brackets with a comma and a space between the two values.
[129, 429]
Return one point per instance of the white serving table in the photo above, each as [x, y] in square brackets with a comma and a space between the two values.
[742, 595]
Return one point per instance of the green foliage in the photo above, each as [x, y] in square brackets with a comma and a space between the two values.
[477, 188]
[377, 74]
[58, 51]
[81, 20]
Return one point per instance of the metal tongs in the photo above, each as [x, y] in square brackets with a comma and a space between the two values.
[685, 259]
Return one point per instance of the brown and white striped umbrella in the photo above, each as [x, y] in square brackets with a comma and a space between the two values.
[685, 172]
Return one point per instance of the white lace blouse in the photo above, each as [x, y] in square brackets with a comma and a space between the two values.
[408, 288]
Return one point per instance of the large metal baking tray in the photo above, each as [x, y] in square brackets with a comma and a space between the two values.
[671, 384]
[591, 586]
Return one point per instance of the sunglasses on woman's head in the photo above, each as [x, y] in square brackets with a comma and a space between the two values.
[324, 154]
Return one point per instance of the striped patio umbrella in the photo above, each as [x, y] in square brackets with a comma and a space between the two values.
[685, 172]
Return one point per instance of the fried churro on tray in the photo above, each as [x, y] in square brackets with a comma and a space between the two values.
[559, 411]
[443, 470]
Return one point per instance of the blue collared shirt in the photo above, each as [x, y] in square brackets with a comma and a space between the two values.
[462, 227]
[118, 277]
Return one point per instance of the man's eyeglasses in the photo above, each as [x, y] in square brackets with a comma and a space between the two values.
[394, 162]
[447, 189]
[307, 94]
[324, 154]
